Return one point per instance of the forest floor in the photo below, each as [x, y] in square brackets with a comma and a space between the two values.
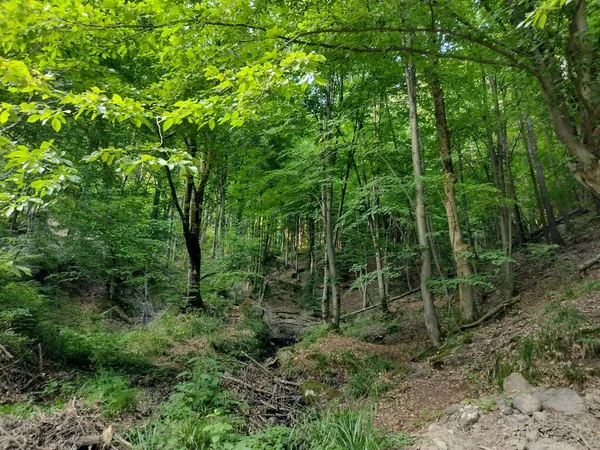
[456, 398]
[428, 396]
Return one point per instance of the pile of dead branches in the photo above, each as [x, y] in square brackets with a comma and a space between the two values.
[272, 400]
[74, 428]
[16, 376]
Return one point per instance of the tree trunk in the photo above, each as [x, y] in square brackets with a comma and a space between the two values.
[500, 162]
[459, 248]
[534, 183]
[190, 216]
[431, 321]
[555, 236]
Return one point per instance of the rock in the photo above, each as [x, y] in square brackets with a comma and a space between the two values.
[441, 444]
[540, 416]
[527, 404]
[452, 409]
[565, 401]
[313, 390]
[532, 435]
[518, 444]
[469, 416]
[516, 383]
[549, 444]
[542, 393]
[501, 402]
[506, 410]
[592, 400]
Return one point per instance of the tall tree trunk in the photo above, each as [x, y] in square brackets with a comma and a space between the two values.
[190, 216]
[555, 236]
[459, 248]
[329, 160]
[500, 162]
[534, 183]
[431, 321]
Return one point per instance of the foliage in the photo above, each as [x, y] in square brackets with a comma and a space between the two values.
[348, 429]
[111, 391]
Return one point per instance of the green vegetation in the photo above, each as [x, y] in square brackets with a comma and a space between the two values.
[185, 186]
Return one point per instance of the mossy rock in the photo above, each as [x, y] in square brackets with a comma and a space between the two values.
[313, 390]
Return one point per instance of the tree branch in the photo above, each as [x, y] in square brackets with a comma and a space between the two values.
[176, 200]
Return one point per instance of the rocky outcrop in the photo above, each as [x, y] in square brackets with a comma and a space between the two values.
[524, 418]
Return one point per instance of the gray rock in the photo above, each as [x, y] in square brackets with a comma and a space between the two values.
[542, 393]
[592, 399]
[515, 383]
[540, 416]
[469, 416]
[452, 409]
[532, 435]
[527, 404]
[565, 401]
[518, 444]
[506, 410]
[441, 444]
[549, 444]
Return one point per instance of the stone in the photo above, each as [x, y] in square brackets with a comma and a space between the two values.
[592, 400]
[542, 393]
[549, 444]
[565, 401]
[532, 435]
[452, 409]
[441, 444]
[527, 404]
[501, 402]
[516, 383]
[469, 416]
[540, 416]
[506, 410]
[518, 444]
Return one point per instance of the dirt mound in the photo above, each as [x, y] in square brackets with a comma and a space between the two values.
[327, 358]
[74, 428]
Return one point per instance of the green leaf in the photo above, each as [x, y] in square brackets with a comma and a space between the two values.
[211, 124]
[168, 124]
[34, 118]
[56, 124]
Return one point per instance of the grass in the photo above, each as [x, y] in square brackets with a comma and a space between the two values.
[347, 429]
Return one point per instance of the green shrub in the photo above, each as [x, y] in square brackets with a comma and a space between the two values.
[346, 429]
[251, 336]
[314, 333]
[111, 391]
[367, 376]
[560, 329]
[372, 329]
[198, 415]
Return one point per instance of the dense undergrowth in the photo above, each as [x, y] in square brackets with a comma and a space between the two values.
[113, 367]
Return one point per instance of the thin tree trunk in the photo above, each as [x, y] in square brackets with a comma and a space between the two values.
[555, 236]
[431, 321]
[459, 248]
[499, 159]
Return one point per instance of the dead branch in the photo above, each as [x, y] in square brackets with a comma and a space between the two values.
[589, 263]
[267, 371]
[491, 313]
[393, 299]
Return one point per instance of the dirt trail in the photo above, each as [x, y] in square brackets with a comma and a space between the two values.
[417, 404]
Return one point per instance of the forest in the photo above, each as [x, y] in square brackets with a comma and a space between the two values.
[299, 225]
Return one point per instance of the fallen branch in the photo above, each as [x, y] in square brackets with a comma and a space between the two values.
[267, 371]
[393, 299]
[589, 263]
[492, 312]
[6, 352]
